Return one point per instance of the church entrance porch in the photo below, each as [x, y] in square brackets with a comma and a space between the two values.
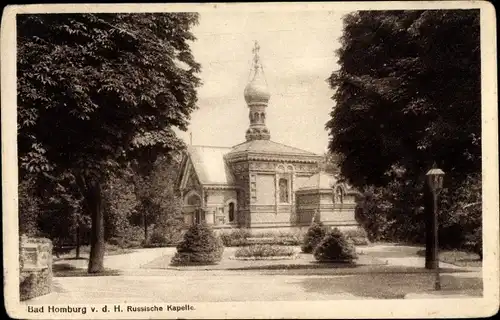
[192, 208]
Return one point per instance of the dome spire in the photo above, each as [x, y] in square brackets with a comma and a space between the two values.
[257, 96]
[256, 57]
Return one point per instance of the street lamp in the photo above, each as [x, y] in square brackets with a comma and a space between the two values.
[435, 178]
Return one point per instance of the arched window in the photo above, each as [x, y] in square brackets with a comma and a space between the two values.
[263, 116]
[283, 190]
[231, 211]
[257, 117]
[339, 195]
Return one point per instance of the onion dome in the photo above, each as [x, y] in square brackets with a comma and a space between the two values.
[256, 90]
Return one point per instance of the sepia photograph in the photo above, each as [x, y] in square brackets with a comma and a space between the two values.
[324, 160]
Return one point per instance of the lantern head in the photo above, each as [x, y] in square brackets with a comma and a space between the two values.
[435, 179]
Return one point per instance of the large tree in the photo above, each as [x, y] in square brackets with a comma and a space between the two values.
[408, 94]
[97, 91]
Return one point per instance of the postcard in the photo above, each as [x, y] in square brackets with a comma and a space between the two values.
[250, 160]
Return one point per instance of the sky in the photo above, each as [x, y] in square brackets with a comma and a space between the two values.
[297, 51]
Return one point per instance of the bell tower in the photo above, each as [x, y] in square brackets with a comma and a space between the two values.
[257, 97]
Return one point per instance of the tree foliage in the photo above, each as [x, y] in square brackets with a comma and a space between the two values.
[407, 94]
[29, 208]
[158, 202]
[119, 204]
[97, 91]
[395, 213]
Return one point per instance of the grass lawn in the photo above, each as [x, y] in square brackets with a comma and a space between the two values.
[458, 258]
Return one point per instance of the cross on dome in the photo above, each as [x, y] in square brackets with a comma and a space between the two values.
[255, 51]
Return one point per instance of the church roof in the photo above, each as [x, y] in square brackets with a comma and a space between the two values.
[209, 164]
[269, 147]
[320, 180]
[325, 181]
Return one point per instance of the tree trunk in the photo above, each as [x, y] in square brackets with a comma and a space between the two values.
[145, 221]
[78, 241]
[96, 259]
[430, 262]
[90, 188]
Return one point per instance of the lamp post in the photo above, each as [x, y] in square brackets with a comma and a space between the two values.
[435, 178]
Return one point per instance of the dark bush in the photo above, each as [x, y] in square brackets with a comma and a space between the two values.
[396, 212]
[129, 244]
[474, 242]
[158, 237]
[312, 238]
[358, 236]
[335, 247]
[200, 246]
[162, 236]
[35, 283]
[460, 217]
[117, 241]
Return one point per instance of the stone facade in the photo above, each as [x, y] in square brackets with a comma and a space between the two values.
[35, 259]
[260, 184]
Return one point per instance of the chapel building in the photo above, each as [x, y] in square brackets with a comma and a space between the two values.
[261, 184]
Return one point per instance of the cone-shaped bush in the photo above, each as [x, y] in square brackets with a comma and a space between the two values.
[335, 247]
[199, 246]
[313, 237]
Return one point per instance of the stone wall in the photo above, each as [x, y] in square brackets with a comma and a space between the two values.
[35, 267]
[218, 206]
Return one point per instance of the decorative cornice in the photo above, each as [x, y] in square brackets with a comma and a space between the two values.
[313, 190]
[261, 156]
[221, 187]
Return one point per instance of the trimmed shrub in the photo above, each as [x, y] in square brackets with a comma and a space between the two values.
[235, 238]
[264, 250]
[312, 238]
[335, 247]
[289, 238]
[240, 238]
[358, 236]
[200, 246]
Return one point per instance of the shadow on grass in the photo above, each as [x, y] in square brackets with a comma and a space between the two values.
[322, 269]
[60, 267]
[457, 257]
[193, 264]
[391, 286]
[392, 252]
[67, 270]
